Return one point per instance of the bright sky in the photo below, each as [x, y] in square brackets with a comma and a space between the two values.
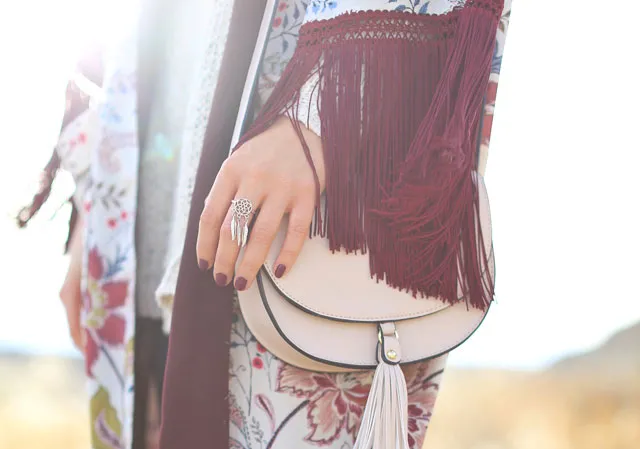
[562, 177]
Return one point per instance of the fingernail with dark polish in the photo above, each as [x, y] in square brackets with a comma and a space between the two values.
[241, 283]
[203, 265]
[280, 269]
[221, 279]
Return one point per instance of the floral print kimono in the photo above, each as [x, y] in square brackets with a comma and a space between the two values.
[272, 405]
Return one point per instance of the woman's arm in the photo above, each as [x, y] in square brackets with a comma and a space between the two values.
[70, 292]
[264, 170]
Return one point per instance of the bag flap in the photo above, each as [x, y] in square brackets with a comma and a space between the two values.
[339, 286]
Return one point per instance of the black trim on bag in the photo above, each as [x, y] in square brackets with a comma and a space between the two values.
[265, 302]
[343, 320]
[263, 295]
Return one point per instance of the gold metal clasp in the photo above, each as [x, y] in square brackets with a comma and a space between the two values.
[395, 334]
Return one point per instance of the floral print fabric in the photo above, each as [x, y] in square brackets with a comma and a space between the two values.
[288, 20]
[275, 405]
[281, 44]
[278, 406]
[109, 265]
[272, 405]
[492, 90]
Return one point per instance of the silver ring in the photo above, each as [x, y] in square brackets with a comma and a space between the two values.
[242, 210]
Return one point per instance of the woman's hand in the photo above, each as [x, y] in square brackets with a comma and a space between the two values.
[273, 173]
[70, 293]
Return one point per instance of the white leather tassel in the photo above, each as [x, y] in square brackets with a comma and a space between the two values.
[385, 419]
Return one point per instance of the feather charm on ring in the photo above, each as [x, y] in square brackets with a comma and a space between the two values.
[242, 210]
[233, 227]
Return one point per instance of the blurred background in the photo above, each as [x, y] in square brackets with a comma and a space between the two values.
[556, 364]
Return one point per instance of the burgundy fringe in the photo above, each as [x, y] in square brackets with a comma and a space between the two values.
[400, 101]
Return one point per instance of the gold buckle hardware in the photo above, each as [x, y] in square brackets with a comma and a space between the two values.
[395, 334]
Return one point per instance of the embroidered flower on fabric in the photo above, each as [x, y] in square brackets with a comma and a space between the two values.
[235, 444]
[106, 429]
[236, 414]
[496, 61]
[263, 402]
[336, 401]
[103, 298]
[423, 391]
[426, 6]
[322, 5]
[257, 363]
[412, 5]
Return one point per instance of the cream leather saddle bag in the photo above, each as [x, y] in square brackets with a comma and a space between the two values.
[328, 315]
